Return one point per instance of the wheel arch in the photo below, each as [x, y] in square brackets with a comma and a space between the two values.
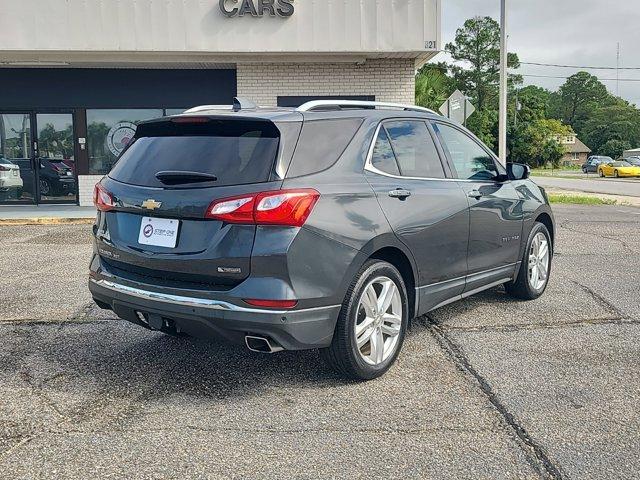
[547, 221]
[399, 259]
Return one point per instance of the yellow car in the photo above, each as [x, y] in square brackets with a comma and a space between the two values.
[617, 169]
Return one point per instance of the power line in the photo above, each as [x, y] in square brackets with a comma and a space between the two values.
[585, 67]
[601, 79]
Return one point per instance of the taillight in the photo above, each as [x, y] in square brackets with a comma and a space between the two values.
[283, 304]
[281, 207]
[102, 199]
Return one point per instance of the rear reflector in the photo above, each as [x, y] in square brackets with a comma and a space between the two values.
[281, 207]
[284, 304]
[102, 199]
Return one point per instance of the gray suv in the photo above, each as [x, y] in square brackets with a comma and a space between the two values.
[329, 226]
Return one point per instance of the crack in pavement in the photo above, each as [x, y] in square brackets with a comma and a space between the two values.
[598, 235]
[542, 326]
[601, 300]
[534, 452]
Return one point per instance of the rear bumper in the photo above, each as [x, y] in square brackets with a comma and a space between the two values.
[216, 318]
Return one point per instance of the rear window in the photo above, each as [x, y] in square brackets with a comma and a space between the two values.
[235, 152]
[321, 144]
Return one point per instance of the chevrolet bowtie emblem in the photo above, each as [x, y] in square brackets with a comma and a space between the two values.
[151, 204]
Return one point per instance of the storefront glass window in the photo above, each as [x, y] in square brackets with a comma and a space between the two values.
[109, 132]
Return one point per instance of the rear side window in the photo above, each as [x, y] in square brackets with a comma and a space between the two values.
[235, 152]
[414, 150]
[321, 144]
[383, 157]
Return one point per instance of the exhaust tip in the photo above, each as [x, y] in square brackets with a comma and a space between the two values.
[261, 344]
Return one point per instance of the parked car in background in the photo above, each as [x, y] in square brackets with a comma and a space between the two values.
[11, 183]
[593, 162]
[620, 168]
[635, 161]
[56, 178]
[329, 227]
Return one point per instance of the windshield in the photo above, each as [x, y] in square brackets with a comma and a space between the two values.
[232, 157]
[621, 164]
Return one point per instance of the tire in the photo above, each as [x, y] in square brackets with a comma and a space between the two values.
[524, 287]
[585, 171]
[45, 187]
[616, 174]
[601, 173]
[343, 355]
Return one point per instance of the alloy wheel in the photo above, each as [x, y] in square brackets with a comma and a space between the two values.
[539, 259]
[379, 321]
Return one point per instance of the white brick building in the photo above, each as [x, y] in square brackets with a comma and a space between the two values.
[76, 76]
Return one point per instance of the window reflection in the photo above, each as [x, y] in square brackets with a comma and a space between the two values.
[16, 174]
[108, 133]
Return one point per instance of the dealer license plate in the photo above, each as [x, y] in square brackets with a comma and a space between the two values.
[159, 232]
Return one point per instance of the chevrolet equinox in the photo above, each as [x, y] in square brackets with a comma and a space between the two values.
[329, 227]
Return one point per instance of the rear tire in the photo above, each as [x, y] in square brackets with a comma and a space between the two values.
[385, 328]
[616, 174]
[526, 287]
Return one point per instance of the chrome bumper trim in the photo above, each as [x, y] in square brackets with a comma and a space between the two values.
[192, 301]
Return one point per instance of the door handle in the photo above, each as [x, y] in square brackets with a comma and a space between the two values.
[475, 194]
[400, 193]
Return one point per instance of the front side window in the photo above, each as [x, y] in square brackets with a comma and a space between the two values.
[406, 148]
[471, 161]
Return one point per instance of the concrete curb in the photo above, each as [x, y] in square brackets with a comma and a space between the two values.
[16, 222]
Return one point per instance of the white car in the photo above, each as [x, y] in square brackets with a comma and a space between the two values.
[10, 179]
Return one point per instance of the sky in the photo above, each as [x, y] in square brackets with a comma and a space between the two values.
[567, 32]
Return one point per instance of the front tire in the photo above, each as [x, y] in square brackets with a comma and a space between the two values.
[616, 174]
[535, 268]
[601, 173]
[372, 323]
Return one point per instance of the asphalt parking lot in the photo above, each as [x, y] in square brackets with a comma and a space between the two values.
[486, 388]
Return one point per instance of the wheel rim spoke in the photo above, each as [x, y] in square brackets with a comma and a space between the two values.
[386, 296]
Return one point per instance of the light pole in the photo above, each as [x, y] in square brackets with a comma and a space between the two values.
[502, 142]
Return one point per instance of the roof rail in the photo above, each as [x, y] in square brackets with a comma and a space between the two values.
[239, 103]
[339, 104]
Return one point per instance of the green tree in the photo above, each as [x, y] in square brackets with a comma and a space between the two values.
[578, 98]
[533, 101]
[477, 46]
[537, 143]
[619, 122]
[614, 148]
[433, 85]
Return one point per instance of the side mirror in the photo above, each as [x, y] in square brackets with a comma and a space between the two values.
[518, 171]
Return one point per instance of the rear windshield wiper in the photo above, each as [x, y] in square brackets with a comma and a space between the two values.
[176, 177]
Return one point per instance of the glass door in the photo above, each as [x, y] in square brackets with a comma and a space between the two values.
[55, 158]
[17, 175]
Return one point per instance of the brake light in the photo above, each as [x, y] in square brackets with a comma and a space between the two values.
[190, 120]
[283, 304]
[102, 199]
[281, 207]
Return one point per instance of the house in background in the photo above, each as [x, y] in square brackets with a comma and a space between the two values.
[631, 153]
[576, 151]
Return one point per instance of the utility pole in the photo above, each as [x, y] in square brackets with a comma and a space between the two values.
[618, 71]
[502, 143]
